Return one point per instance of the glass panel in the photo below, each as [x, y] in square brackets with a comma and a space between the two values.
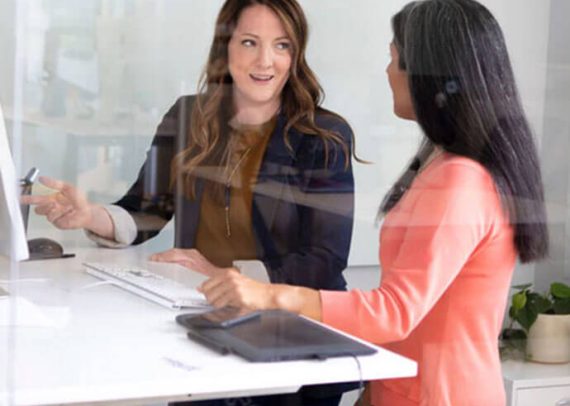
[84, 88]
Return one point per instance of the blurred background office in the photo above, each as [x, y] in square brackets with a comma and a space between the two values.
[84, 83]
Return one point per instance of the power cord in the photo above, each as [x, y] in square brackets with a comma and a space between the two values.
[360, 380]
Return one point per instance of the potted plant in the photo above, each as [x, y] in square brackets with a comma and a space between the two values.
[545, 322]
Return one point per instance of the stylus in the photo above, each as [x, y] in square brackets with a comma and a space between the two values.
[31, 176]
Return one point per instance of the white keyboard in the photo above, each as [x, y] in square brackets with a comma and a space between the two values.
[149, 285]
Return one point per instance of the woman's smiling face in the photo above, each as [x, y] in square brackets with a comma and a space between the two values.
[259, 57]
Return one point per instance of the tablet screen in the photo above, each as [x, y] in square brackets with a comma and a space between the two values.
[277, 330]
[278, 335]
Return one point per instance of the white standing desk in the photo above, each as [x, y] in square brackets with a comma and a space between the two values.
[103, 344]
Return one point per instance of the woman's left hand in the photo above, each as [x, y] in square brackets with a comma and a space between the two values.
[189, 258]
[230, 288]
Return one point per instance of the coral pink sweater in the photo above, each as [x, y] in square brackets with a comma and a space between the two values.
[447, 257]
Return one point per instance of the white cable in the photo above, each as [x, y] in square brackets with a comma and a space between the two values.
[360, 380]
[96, 284]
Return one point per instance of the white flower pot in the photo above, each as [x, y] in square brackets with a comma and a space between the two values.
[549, 339]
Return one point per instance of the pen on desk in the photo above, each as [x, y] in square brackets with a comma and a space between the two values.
[179, 364]
[67, 255]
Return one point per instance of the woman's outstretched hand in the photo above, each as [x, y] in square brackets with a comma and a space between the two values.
[68, 208]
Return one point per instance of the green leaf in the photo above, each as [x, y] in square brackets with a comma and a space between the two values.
[562, 306]
[537, 303]
[526, 317]
[560, 290]
[519, 301]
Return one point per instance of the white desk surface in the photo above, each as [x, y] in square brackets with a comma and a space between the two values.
[103, 344]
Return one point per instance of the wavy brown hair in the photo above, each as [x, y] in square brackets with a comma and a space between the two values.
[301, 96]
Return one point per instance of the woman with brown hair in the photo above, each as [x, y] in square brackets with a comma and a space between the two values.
[251, 167]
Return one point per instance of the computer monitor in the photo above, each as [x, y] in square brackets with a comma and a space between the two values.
[13, 242]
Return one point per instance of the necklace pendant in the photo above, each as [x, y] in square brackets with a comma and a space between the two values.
[228, 228]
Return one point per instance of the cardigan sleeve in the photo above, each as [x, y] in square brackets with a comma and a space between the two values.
[447, 221]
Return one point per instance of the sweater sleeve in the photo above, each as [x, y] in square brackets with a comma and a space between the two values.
[125, 229]
[444, 224]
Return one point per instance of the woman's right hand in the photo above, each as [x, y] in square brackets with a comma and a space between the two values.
[68, 208]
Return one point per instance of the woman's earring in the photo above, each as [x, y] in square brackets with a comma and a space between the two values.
[440, 100]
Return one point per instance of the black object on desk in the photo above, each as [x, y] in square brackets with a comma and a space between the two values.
[277, 335]
[45, 248]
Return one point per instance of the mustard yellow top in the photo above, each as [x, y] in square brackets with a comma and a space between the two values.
[247, 148]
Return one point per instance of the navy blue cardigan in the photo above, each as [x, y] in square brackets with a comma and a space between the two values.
[302, 209]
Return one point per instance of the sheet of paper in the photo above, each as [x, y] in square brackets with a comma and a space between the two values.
[20, 312]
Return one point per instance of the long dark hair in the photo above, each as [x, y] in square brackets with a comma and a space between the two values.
[300, 100]
[466, 101]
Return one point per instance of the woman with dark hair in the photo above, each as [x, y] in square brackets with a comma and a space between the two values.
[468, 205]
[251, 167]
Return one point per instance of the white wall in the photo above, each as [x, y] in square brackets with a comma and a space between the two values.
[349, 51]
[556, 145]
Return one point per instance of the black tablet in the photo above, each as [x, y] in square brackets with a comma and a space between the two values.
[277, 335]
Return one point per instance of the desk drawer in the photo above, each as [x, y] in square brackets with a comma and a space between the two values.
[548, 396]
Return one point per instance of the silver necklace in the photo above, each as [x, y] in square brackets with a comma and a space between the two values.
[228, 192]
